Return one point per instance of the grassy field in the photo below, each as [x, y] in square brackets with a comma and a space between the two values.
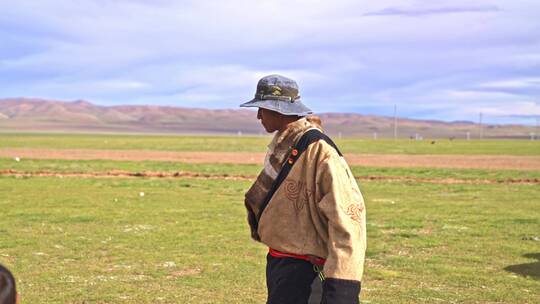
[258, 144]
[97, 240]
[75, 240]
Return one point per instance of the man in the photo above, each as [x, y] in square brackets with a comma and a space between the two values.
[305, 204]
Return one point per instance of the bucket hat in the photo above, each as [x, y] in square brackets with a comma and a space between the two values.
[280, 94]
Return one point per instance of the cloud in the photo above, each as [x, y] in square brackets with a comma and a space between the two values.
[529, 117]
[518, 83]
[415, 12]
[211, 53]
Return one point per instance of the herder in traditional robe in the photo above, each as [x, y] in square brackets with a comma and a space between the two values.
[305, 204]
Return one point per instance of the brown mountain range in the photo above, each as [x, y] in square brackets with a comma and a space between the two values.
[38, 115]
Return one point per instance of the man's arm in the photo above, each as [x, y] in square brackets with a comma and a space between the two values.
[253, 200]
[343, 207]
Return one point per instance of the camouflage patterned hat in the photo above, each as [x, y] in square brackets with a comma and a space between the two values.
[280, 94]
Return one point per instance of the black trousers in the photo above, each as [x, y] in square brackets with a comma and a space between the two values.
[289, 280]
[294, 281]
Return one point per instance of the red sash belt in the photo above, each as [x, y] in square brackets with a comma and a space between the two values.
[310, 258]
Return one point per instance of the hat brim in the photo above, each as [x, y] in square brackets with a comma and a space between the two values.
[283, 107]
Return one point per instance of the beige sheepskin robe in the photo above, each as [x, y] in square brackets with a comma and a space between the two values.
[318, 210]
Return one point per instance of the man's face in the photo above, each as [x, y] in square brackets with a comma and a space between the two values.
[270, 120]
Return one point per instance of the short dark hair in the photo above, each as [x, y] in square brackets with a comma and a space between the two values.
[8, 292]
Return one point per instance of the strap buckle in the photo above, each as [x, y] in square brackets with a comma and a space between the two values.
[319, 270]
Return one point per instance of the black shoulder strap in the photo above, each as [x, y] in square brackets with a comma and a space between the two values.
[308, 138]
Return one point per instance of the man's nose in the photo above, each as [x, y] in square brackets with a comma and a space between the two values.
[259, 114]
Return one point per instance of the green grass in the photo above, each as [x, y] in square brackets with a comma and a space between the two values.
[251, 170]
[451, 244]
[258, 144]
[84, 240]
[442, 173]
[76, 240]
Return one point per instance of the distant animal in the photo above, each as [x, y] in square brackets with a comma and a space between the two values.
[432, 142]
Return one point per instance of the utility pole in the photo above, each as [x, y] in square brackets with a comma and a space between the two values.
[537, 128]
[481, 131]
[395, 121]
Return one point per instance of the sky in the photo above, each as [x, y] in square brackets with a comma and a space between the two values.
[442, 60]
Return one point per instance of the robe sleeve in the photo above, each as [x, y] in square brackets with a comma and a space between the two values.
[342, 205]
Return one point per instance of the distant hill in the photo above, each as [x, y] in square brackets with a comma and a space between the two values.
[38, 115]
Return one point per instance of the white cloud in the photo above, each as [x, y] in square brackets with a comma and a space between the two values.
[396, 11]
[431, 57]
[518, 83]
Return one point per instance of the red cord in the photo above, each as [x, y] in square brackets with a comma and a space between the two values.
[312, 259]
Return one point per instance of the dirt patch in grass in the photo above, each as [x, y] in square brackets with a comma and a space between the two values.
[530, 181]
[373, 160]
[184, 273]
[186, 174]
[124, 174]
[136, 155]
